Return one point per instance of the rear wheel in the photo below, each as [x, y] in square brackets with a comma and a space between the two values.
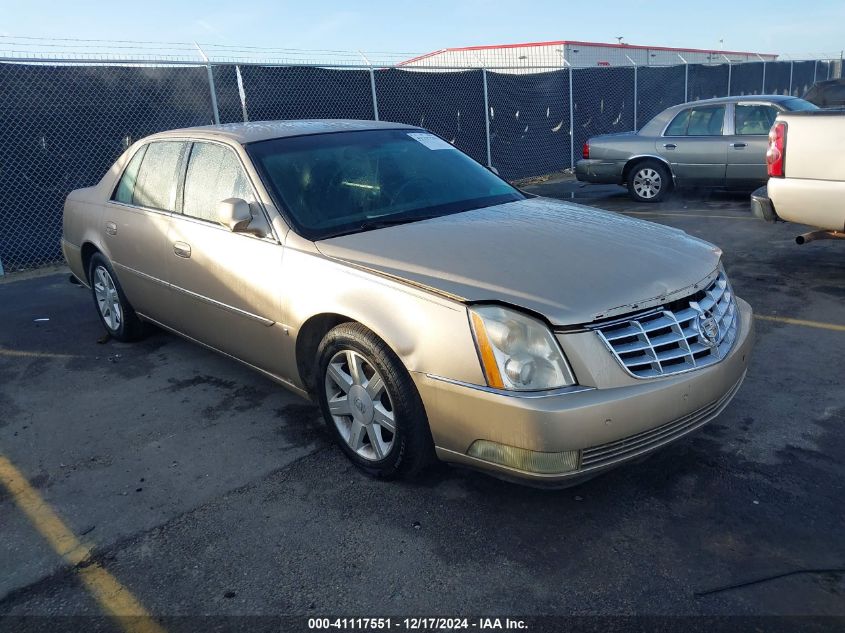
[649, 181]
[116, 314]
[371, 404]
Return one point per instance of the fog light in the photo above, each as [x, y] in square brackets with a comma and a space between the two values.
[524, 459]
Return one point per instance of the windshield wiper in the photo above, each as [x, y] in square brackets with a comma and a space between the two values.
[381, 223]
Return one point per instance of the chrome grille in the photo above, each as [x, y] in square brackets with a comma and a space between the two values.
[669, 341]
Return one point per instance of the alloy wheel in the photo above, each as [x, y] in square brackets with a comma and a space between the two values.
[360, 405]
[647, 183]
[108, 300]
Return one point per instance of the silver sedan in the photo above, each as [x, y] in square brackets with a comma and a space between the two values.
[719, 143]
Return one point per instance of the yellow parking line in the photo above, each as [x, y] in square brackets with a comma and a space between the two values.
[816, 324]
[19, 353]
[114, 598]
[688, 215]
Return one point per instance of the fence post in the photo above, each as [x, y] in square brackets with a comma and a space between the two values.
[212, 90]
[372, 85]
[635, 91]
[571, 122]
[373, 90]
[730, 66]
[2, 272]
[763, 89]
[241, 93]
[815, 70]
[486, 117]
[686, 78]
[791, 68]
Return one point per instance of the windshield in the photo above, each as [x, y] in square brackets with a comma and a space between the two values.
[345, 182]
[797, 105]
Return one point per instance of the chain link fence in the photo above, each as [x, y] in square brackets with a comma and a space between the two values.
[64, 123]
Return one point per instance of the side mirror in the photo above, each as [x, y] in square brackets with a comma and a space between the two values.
[234, 213]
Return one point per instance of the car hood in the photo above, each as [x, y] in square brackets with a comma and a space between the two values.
[570, 263]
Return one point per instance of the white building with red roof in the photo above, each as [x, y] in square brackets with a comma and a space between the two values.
[539, 56]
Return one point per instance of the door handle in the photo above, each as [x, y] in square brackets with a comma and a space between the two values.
[670, 145]
[111, 228]
[182, 249]
[738, 145]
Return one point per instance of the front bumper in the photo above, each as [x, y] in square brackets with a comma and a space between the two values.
[599, 171]
[606, 426]
[762, 207]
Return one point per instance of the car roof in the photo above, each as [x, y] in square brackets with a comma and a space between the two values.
[734, 99]
[265, 130]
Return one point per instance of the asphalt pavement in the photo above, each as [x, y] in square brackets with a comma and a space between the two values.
[203, 488]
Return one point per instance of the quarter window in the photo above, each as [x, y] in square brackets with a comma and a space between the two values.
[701, 121]
[155, 187]
[214, 174]
[126, 187]
[754, 120]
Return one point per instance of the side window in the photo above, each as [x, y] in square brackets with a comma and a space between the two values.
[214, 174]
[126, 187]
[703, 121]
[678, 127]
[754, 120]
[156, 182]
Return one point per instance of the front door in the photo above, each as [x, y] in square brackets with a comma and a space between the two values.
[226, 284]
[695, 147]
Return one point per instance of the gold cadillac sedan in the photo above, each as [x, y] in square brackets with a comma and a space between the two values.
[431, 308]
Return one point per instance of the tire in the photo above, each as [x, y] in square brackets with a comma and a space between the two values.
[350, 359]
[649, 181]
[115, 312]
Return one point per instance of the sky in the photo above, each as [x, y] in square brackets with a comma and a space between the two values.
[809, 28]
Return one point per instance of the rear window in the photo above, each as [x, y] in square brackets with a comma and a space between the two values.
[798, 105]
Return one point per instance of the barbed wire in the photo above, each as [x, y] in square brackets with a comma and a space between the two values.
[92, 49]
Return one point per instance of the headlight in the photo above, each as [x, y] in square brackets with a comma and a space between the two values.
[518, 352]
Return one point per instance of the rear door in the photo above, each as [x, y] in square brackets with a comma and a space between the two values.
[695, 146]
[136, 221]
[748, 143]
[226, 285]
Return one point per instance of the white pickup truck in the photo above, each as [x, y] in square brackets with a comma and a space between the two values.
[806, 166]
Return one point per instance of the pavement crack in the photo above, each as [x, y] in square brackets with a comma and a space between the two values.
[757, 581]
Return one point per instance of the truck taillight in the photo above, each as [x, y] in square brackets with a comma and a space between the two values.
[777, 150]
[585, 151]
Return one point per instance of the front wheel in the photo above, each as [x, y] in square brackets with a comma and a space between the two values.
[371, 404]
[649, 181]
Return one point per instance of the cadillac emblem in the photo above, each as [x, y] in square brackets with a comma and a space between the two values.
[708, 330]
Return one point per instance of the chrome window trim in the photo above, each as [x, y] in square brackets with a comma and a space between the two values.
[547, 393]
[270, 238]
